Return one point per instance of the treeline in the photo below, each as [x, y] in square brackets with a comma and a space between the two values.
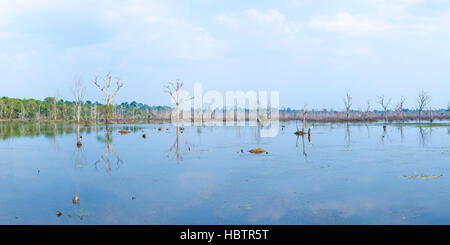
[52, 109]
[363, 116]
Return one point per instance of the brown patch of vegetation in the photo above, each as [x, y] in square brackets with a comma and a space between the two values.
[257, 151]
[124, 131]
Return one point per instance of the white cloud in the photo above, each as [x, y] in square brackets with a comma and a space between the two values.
[349, 24]
[253, 19]
[135, 25]
[155, 25]
[270, 16]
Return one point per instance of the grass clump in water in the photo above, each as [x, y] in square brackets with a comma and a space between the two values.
[257, 151]
[422, 176]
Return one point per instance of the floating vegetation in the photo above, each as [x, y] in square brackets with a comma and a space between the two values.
[422, 176]
[257, 151]
[441, 124]
[124, 131]
[82, 215]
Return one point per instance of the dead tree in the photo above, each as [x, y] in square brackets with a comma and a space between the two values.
[79, 92]
[384, 104]
[22, 112]
[305, 112]
[174, 90]
[399, 109]
[105, 85]
[38, 113]
[55, 107]
[431, 114]
[366, 113]
[11, 111]
[348, 105]
[303, 131]
[422, 100]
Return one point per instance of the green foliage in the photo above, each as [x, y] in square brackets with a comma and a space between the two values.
[31, 109]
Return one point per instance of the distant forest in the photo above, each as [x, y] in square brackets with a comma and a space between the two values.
[52, 109]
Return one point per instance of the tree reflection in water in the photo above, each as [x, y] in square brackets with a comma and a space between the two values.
[109, 154]
[79, 150]
[175, 149]
[303, 143]
[348, 136]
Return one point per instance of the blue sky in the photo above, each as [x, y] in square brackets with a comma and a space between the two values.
[313, 52]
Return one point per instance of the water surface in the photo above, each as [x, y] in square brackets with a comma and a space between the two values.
[343, 174]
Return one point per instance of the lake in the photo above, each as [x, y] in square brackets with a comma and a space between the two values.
[344, 174]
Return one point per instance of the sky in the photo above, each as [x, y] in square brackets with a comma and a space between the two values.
[312, 52]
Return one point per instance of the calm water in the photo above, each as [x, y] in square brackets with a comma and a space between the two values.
[344, 175]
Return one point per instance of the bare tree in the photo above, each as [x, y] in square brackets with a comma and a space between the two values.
[38, 113]
[79, 93]
[422, 100]
[305, 112]
[366, 113]
[105, 85]
[174, 90]
[55, 108]
[431, 114]
[399, 108]
[22, 112]
[348, 105]
[384, 103]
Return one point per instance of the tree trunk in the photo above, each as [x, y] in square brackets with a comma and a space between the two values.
[78, 113]
[107, 114]
[304, 122]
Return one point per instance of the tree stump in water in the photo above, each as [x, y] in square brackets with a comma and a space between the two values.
[75, 200]
[299, 133]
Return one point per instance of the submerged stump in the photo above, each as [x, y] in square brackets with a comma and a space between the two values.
[300, 133]
[75, 200]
